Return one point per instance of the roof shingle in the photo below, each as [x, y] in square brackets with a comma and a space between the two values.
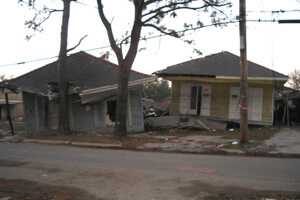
[84, 71]
[220, 64]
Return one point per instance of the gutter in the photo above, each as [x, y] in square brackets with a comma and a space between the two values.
[254, 78]
[102, 93]
[131, 84]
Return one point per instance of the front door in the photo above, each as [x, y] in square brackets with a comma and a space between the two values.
[195, 99]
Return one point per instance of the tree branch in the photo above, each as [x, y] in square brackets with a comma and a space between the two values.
[135, 33]
[172, 33]
[110, 34]
[165, 6]
[77, 44]
[221, 11]
[36, 25]
[174, 6]
[124, 41]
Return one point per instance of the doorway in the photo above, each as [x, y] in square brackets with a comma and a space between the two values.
[196, 95]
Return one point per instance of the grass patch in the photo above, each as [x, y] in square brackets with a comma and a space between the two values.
[227, 137]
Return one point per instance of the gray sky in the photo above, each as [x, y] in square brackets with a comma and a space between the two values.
[272, 45]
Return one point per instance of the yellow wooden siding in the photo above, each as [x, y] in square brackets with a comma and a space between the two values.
[175, 105]
[220, 96]
[267, 109]
[220, 100]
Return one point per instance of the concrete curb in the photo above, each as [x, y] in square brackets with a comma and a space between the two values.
[79, 144]
[101, 145]
[46, 141]
[141, 149]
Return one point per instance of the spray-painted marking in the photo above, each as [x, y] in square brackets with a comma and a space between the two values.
[244, 108]
[196, 170]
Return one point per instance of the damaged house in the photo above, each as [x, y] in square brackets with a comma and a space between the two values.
[92, 96]
[209, 87]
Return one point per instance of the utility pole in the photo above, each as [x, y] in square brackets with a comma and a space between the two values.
[243, 74]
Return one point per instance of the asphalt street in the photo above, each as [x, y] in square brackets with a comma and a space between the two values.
[64, 165]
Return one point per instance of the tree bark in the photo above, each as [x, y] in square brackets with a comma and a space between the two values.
[122, 98]
[63, 122]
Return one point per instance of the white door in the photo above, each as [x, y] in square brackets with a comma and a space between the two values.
[255, 104]
[185, 98]
[255, 98]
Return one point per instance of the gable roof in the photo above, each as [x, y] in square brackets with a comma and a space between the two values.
[222, 64]
[84, 72]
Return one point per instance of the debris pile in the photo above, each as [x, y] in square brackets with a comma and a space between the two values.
[182, 122]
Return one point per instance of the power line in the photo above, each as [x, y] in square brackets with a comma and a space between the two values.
[273, 11]
[289, 21]
[147, 38]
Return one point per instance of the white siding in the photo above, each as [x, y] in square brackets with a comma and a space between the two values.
[255, 99]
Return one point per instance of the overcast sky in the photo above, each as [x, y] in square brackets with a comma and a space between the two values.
[272, 45]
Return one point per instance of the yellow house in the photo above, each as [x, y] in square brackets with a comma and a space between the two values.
[209, 87]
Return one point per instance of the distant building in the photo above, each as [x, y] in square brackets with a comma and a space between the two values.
[15, 105]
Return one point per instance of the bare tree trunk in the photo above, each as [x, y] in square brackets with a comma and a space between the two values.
[122, 97]
[125, 64]
[63, 122]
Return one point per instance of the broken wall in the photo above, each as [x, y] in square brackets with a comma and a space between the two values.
[135, 117]
[35, 111]
[41, 115]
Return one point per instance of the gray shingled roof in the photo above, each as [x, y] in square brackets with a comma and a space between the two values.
[220, 64]
[84, 71]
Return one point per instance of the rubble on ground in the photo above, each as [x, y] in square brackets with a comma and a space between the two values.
[189, 122]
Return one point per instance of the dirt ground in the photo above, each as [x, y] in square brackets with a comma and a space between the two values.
[199, 190]
[20, 189]
[139, 139]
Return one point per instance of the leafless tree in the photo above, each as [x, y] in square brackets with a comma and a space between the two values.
[151, 13]
[294, 79]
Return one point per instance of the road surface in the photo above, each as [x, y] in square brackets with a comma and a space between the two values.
[121, 174]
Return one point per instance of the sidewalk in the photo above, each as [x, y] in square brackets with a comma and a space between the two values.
[285, 143]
